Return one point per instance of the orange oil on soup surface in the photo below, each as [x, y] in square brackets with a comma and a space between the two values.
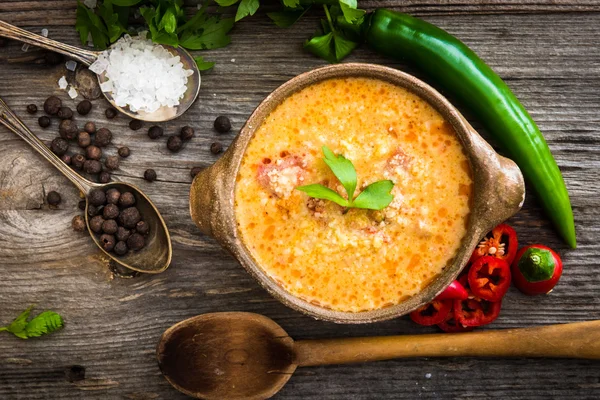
[360, 260]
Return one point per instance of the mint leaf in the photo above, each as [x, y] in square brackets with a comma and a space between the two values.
[46, 322]
[376, 196]
[351, 14]
[322, 192]
[343, 169]
[285, 19]
[168, 22]
[246, 7]
[203, 65]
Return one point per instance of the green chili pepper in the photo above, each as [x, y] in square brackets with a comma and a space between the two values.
[463, 74]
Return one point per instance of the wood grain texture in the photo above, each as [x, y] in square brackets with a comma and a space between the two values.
[550, 59]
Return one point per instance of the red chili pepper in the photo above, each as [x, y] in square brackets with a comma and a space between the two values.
[489, 278]
[453, 292]
[432, 313]
[451, 326]
[501, 243]
[475, 311]
[536, 269]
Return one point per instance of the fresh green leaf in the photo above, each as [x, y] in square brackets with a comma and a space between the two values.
[322, 192]
[195, 23]
[203, 65]
[376, 196]
[213, 35]
[343, 169]
[169, 39]
[350, 12]
[111, 20]
[126, 3]
[87, 22]
[343, 47]
[285, 19]
[226, 3]
[46, 322]
[168, 22]
[291, 3]
[246, 7]
[321, 46]
[19, 324]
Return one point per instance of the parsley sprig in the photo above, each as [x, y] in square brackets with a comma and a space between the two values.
[376, 196]
[44, 323]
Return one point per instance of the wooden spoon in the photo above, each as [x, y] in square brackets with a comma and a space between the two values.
[238, 355]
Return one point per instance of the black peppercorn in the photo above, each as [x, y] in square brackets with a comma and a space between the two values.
[174, 143]
[93, 153]
[84, 107]
[120, 248]
[112, 196]
[216, 148]
[110, 226]
[84, 139]
[150, 175]
[90, 127]
[44, 121]
[92, 166]
[110, 113]
[81, 205]
[122, 234]
[127, 199]
[59, 146]
[142, 227]
[104, 177]
[96, 223]
[78, 160]
[92, 211]
[78, 223]
[103, 137]
[31, 108]
[112, 162]
[65, 113]
[136, 241]
[124, 151]
[135, 124]
[97, 197]
[111, 211]
[107, 242]
[129, 217]
[222, 124]
[68, 129]
[195, 171]
[187, 132]
[155, 132]
[53, 198]
[52, 105]
[66, 159]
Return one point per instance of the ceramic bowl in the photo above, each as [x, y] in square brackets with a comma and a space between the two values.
[498, 191]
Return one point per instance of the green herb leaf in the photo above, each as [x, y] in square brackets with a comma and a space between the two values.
[321, 46]
[343, 169]
[89, 23]
[226, 3]
[111, 20]
[351, 14]
[246, 7]
[203, 65]
[19, 324]
[343, 47]
[291, 3]
[376, 196]
[285, 19]
[322, 192]
[168, 22]
[46, 322]
[213, 35]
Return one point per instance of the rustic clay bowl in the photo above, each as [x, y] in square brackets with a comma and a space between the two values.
[498, 192]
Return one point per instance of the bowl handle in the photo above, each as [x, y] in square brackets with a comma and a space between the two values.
[206, 197]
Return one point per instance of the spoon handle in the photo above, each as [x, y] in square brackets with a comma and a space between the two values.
[85, 57]
[574, 340]
[14, 124]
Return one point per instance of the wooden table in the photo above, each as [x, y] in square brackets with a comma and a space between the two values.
[547, 51]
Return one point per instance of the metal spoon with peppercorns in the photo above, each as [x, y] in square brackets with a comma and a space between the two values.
[156, 85]
[122, 221]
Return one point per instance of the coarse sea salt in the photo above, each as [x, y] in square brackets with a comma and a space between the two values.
[142, 75]
[62, 83]
[72, 92]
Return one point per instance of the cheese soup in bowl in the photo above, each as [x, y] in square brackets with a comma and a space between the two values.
[342, 263]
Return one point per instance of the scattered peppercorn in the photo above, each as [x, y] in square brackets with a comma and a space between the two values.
[107, 242]
[81, 205]
[31, 108]
[187, 132]
[84, 107]
[124, 151]
[104, 177]
[84, 139]
[93, 152]
[127, 199]
[68, 129]
[78, 223]
[96, 223]
[112, 196]
[66, 159]
[78, 160]
[174, 143]
[90, 127]
[155, 131]
[111, 211]
[52, 105]
[65, 113]
[142, 227]
[136, 241]
[112, 162]
[44, 121]
[129, 217]
[110, 113]
[53, 198]
[122, 234]
[97, 197]
[135, 124]
[59, 146]
[222, 124]
[150, 175]
[103, 137]
[120, 248]
[109, 226]
[195, 171]
[92, 166]
[216, 148]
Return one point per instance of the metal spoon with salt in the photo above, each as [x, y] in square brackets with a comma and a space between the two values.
[87, 57]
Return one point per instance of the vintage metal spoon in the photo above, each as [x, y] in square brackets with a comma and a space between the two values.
[238, 355]
[87, 57]
[153, 258]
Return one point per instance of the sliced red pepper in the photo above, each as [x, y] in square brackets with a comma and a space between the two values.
[475, 311]
[453, 292]
[432, 313]
[501, 243]
[451, 326]
[489, 278]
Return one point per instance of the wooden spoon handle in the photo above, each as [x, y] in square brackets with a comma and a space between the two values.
[574, 340]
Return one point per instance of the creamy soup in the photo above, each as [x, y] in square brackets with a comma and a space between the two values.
[353, 260]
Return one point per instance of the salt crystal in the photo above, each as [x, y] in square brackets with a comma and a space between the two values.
[45, 32]
[428, 375]
[71, 65]
[25, 47]
[90, 3]
[233, 60]
[62, 83]
[72, 92]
